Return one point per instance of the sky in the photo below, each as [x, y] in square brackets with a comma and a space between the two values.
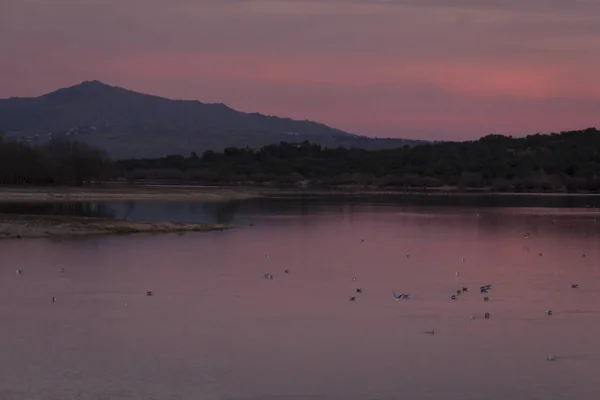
[424, 69]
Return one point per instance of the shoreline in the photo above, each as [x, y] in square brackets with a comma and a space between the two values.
[111, 193]
[20, 226]
[216, 194]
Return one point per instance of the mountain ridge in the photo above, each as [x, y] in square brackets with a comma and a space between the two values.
[130, 124]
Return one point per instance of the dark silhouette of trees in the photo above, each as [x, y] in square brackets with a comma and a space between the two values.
[60, 162]
[568, 161]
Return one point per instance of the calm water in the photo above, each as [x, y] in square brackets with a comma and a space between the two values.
[215, 329]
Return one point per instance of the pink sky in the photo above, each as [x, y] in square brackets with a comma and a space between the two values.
[432, 69]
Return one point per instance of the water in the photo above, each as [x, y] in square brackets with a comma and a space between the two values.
[215, 329]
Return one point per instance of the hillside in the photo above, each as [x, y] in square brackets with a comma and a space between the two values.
[129, 124]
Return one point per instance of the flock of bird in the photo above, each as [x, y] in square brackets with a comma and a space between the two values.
[483, 289]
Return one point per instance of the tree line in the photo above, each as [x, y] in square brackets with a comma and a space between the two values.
[59, 162]
[567, 161]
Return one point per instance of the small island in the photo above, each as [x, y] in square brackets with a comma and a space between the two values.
[42, 226]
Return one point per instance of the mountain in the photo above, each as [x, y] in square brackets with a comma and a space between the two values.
[130, 124]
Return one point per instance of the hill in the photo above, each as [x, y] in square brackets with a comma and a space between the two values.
[128, 124]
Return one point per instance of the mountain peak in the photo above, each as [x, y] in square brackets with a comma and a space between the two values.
[92, 88]
[93, 83]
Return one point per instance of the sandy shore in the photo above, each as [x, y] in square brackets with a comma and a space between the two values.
[36, 226]
[121, 193]
[180, 193]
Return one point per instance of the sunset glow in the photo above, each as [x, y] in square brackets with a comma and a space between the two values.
[427, 69]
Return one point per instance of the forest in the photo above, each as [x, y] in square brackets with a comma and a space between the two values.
[59, 162]
[567, 161]
[560, 162]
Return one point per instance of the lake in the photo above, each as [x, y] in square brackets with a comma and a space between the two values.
[216, 329]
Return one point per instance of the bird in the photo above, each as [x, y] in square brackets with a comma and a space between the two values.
[526, 235]
[485, 288]
[54, 299]
[583, 255]
[358, 290]
[354, 279]
[149, 293]
[431, 332]
[463, 260]
[548, 312]
[541, 254]
[453, 297]
[126, 304]
[408, 256]
[268, 276]
[574, 285]
[551, 358]
[287, 271]
[352, 298]
[458, 292]
[465, 289]
[62, 270]
[486, 315]
[362, 240]
[19, 272]
[400, 297]
[266, 256]
[485, 298]
[457, 273]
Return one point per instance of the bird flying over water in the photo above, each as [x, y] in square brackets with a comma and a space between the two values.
[400, 297]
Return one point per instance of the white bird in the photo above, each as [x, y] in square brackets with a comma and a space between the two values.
[551, 358]
[548, 312]
[19, 272]
[457, 273]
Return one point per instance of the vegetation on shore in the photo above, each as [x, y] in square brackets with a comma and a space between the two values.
[565, 162]
[59, 162]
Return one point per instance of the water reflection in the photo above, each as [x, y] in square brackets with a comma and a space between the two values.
[215, 329]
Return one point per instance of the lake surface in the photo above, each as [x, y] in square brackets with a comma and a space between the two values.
[216, 329]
